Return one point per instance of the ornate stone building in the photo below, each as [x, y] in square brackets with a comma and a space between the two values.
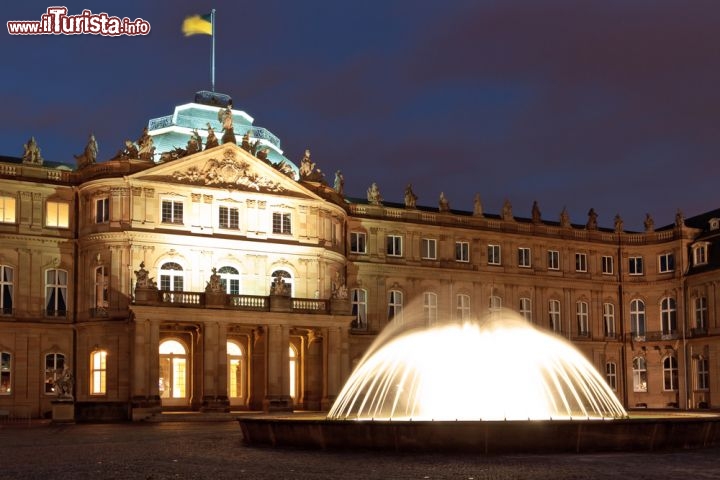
[222, 276]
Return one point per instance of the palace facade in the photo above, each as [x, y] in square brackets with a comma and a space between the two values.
[221, 276]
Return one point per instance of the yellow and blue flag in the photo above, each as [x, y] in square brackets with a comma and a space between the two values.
[198, 25]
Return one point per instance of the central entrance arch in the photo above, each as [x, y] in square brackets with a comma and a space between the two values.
[174, 374]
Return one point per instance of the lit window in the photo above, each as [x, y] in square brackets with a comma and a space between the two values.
[395, 305]
[394, 245]
[637, 319]
[463, 306]
[667, 262]
[54, 367]
[359, 308]
[493, 254]
[428, 249]
[7, 209]
[173, 379]
[609, 319]
[236, 372]
[581, 262]
[668, 316]
[172, 277]
[430, 307]
[358, 242]
[526, 308]
[229, 279]
[702, 374]
[5, 373]
[172, 212]
[700, 254]
[607, 265]
[6, 289]
[553, 260]
[635, 266]
[701, 313]
[554, 315]
[294, 372]
[229, 217]
[582, 319]
[462, 252]
[524, 259]
[56, 292]
[57, 214]
[102, 210]
[281, 223]
[639, 374]
[670, 373]
[611, 375]
[102, 279]
[98, 372]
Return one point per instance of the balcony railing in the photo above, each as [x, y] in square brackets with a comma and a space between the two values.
[653, 336]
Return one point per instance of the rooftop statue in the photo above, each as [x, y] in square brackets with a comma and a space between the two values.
[306, 166]
[410, 197]
[507, 210]
[679, 219]
[225, 118]
[564, 218]
[245, 144]
[211, 141]
[618, 223]
[31, 153]
[592, 223]
[89, 155]
[443, 204]
[649, 223]
[339, 184]
[373, 194]
[536, 215]
[193, 146]
[477, 206]
[146, 149]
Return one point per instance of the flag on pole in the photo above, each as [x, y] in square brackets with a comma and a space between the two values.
[198, 25]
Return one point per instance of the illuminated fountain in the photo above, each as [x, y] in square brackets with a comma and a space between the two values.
[492, 386]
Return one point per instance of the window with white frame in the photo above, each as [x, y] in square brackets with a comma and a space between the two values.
[172, 277]
[702, 374]
[57, 214]
[462, 251]
[428, 249]
[282, 223]
[609, 320]
[495, 304]
[635, 265]
[553, 260]
[229, 279]
[394, 245]
[668, 316]
[666, 262]
[670, 373]
[639, 370]
[430, 307]
[236, 371]
[524, 259]
[359, 308]
[526, 308]
[5, 373]
[463, 306]
[581, 314]
[699, 254]
[493, 255]
[607, 265]
[54, 367]
[98, 372]
[701, 311]
[102, 210]
[581, 262]
[56, 292]
[611, 375]
[171, 211]
[395, 305]
[7, 287]
[7, 209]
[358, 242]
[101, 291]
[554, 315]
[228, 217]
[637, 318]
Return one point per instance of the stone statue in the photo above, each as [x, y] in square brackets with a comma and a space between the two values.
[339, 290]
[146, 149]
[564, 218]
[31, 153]
[507, 210]
[373, 194]
[536, 215]
[443, 204]
[215, 283]
[618, 224]
[410, 197]
[592, 220]
[142, 278]
[279, 287]
[63, 385]
[226, 119]
[649, 223]
[339, 184]
[193, 146]
[130, 151]
[306, 166]
[211, 141]
[245, 142]
[679, 219]
[477, 206]
[89, 155]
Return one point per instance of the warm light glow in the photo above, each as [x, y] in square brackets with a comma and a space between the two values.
[502, 368]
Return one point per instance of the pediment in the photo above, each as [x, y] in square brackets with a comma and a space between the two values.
[228, 167]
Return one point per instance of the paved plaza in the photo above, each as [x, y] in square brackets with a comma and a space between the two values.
[214, 450]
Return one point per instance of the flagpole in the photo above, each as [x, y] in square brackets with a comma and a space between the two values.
[212, 76]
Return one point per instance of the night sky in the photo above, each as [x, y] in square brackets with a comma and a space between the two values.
[613, 105]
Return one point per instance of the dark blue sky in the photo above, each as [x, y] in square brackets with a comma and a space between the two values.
[613, 105]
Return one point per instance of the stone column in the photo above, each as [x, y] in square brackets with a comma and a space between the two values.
[214, 394]
[145, 390]
[277, 396]
[333, 366]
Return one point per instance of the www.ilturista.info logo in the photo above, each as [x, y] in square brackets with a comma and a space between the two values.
[57, 22]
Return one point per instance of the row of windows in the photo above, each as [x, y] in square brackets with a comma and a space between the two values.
[57, 214]
[228, 217]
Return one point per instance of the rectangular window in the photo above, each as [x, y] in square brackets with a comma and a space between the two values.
[553, 260]
[524, 259]
[7, 209]
[229, 217]
[6, 289]
[102, 281]
[703, 374]
[495, 304]
[171, 212]
[635, 266]
[463, 306]
[701, 313]
[102, 210]
[462, 252]
[526, 308]
[430, 307]
[611, 375]
[493, 254]
[581, 262]
[607, 265]
[667, 263]
[395, 305]
[428, 249]
[358, 242]
[582, 319]
[699, 255]
[5, 373]
[98, 371]
[609, 319]
[57, 214]
[359, 309]
[554, 315]
[394, 245]
[56, 292]
[54, 366]
[281, 223]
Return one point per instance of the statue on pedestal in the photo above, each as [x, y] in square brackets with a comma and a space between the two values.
[215, 283]
[339, 184]
[31, 153]
[536, 215]
[211, 141]
[410, 197]
[477, 206]
[592, 220]
[649, 223]
[89, 155]
[373, 194]
[443, 204]
[143, 279]
[63, 385]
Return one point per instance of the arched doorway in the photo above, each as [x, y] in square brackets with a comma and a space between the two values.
[237, 377]
[294, 373]
[174, 373]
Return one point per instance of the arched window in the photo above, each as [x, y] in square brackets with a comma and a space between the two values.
[526, 308]
[554, 316]
[637, 318]
[611, 375]
[98, 372]
[294, 372]
[173, 370]
[236, 372]
[430, 307]
[582, 319]
[56, 292]
[172, 277]
[230, 279]
[395, 305]
[609, 319]
[282, 276]
[54, 366]
[668, 316]
[639, 374]
[670, 373]
[6, 289]
[463, 306]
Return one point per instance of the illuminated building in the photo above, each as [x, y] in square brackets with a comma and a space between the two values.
[229, 278]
